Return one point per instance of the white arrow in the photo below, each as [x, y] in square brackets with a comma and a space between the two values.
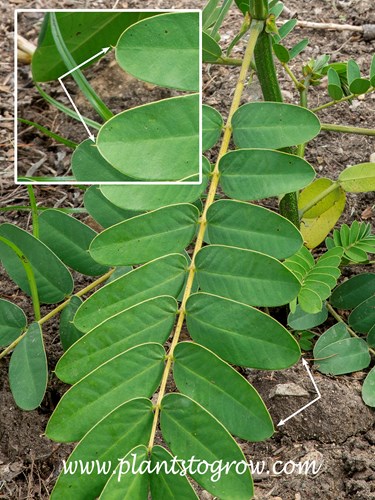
[103, 51]
[306, 365]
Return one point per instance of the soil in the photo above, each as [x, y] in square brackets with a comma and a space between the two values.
[339, 430]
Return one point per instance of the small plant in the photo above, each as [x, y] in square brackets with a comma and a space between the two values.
[244, 261]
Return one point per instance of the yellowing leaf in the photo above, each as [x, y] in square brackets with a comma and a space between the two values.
[317, 222]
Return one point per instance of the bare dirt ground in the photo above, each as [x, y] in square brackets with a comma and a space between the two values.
[339, 430]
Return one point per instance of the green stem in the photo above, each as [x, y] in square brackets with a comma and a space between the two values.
[299, 86]
[61, 107]
[34, 210]
[337, 317]
[70, 63]
[223, 12]
[266, 72]
[258, 9]
[228, 61]
[49, 133]
[318, 198]
[29, 274]
[345, 129]
[59, 308]
[343, 99]
[27, 208]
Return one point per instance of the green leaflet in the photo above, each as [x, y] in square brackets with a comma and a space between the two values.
[273, 125]
[337, 352]
[149, 321]
[362, 318]
[211, 49]
[154, 142]
[68, 332]
[132, 423]
[252, 174]
[358, 178]
[357, 85]
[334, 85]
[245, 275]
[318, 280]
[352, 292]
[165, 275]
[301, 320]
[168, 486]
[221, 390]
[132, 373]
[123, 484]
[147, 236]
[368, 388]
[150, 197]
[88, 165]
[212, 126]
[356, 240]
[189, 430]
[252, 227]
[240, 334]
[70, 239]
[163, 50]
[85, 34]
[102, 210]
[318, 221]
[12, 322]
[28, 369]
[54, 281]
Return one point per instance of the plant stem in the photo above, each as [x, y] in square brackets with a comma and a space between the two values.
[343, 99]
[336, 315]
[88, 288]
[34, 211]
[266, 72]
[299, 86]
[255, 29]
[318, 198]
[70, 63]
[228, 61]
[59, 308]
[49, 133]
[29, 274]
[345, 129]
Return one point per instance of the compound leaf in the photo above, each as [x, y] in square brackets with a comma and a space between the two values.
[212, 126]
[352, 292]
[68, 332]
[362, 318]
[368, 388]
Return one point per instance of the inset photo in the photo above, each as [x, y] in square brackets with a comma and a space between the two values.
[108, 96]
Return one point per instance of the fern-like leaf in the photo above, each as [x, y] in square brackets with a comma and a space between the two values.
[317, 278]
[356, 240]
